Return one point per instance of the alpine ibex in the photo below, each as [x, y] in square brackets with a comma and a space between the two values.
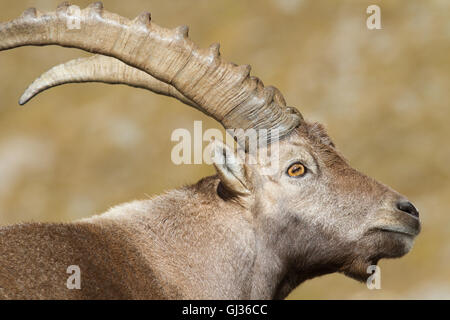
[238, 234]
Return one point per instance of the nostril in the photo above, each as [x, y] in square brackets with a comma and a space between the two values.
[407, 207]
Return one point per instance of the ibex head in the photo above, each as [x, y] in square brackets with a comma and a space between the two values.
[315, 211]
[319, 213]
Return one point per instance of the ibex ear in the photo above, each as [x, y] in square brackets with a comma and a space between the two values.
[230, 168]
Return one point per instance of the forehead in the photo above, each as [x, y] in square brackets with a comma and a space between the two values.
[314, 132]
[313, 139]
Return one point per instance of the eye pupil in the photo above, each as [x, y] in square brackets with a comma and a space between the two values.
[296, 170]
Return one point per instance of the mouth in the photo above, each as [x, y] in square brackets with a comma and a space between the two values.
[408, 231]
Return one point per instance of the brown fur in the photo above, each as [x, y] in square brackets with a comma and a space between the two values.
[208, 241]
[243, 234]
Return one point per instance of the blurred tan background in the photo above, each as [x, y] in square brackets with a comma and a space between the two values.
[77, 150]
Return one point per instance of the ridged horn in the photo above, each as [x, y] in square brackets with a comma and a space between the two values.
[220, 89]
[104, 69]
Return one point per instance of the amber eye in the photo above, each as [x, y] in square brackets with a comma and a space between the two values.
[296, 170]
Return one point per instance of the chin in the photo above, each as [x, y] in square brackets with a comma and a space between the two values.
[384, 245]
[396, 245]
[358, 269]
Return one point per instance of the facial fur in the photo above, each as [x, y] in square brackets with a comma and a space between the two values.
[332, 215]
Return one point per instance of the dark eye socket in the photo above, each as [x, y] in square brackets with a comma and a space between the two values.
[296, 170]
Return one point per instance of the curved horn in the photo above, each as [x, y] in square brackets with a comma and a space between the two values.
[104, 69]
[222, 90]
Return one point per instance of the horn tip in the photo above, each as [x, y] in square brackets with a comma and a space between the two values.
[27, 96]
[24, 99]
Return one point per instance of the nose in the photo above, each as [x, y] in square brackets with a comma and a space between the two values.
[408, 207]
